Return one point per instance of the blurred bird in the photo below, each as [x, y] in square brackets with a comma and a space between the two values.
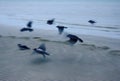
[91, 21]
[41, 50]
[29, 24]
[61, 29]
[23, 47]
[50, 22]
[73, 39]
[28, 28]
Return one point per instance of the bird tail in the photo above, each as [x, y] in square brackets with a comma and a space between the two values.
[47, 53]
[80, 40]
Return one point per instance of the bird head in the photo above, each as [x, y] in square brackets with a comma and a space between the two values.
[19, 44]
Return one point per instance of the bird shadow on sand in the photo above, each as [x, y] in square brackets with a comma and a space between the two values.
[13, 37]
[40, 60]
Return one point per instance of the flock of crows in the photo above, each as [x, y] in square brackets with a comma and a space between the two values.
[42, 48]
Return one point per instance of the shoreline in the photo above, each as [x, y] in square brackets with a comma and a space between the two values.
[6, 31]
[52, 35]
[96, 59]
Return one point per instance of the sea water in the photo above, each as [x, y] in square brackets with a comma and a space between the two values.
[71, 13]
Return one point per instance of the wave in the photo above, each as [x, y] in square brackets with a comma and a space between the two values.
[114, 28]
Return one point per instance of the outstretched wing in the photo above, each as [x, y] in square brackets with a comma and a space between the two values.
[29, 24]
[42, 46]
[80, 39]
[61, 29]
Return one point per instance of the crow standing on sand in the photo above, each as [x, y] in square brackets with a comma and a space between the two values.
[92, 22]
[73, 39]
[61, 29]
[23, 47]
[50, 22]
[41, 50]
[28, 28]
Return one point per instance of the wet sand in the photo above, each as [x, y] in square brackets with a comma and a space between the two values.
[97, 59]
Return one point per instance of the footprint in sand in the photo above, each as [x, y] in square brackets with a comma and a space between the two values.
[36, 37]
[93, 47]
[26, 38]
[114, 52]
[12, 37]
[103, 47]
[90, 46]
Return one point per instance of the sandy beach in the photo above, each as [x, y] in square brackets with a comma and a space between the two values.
[97, 59]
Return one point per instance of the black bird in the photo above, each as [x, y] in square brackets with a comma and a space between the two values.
[73, 39]
[29, 24]
[41, 50]
[50, 22]
[23, 47]
[28, 28]
[61, 29]
[91, 21]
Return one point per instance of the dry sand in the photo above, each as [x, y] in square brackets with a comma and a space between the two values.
[97, 59]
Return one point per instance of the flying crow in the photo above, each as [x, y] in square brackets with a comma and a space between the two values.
[41, 50]
[61, 29]
[73, 39]
[50, 22]
[91, 21]
[28, 28]
[23, 47]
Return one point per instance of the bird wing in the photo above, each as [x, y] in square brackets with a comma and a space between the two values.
[23, 29]
[47, 53]
[42, 46]
[60, 30]
[29, 24]
[80, 39]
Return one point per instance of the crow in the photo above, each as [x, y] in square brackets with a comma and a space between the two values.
[41, 50]
[61, 29]
[28, 28]
[73, 39]
[91, 21]
[50, 22]
[23, 47]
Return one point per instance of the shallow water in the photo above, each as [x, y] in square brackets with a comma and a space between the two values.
[73, 14]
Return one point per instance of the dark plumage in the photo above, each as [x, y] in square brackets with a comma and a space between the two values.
[50, 22]
[73, 39]
[23, 47]
[42, 46]
[29, 24]
[28, 28]
[41, 50]
[61, 29]
[91, 21]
